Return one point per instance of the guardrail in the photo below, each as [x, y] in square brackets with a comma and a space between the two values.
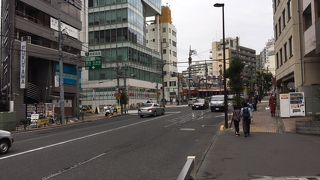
[185, 173]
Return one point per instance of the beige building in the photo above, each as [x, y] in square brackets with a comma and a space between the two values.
[233, 50]
[297, 49]
[163, 32]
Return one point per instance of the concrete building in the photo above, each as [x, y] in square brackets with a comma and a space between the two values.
[267, 58]
[165, 33]
[233, 50]
[296, 28]
[117, 43]
[30, 70]
[201, 73]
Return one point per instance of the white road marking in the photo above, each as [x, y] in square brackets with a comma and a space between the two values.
[187, 129]
[72, 167]
[79, 138]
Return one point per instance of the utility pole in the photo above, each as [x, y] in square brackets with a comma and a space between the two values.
[206, 78]
[191, 52]
[189, 73]
[60, 39]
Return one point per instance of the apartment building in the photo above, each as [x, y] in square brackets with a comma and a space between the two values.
[164, 33]
[232, 50]
[30, 54]
[296, 28]
[117, 41]
[267, 58]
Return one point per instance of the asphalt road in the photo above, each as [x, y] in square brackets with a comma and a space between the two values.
[124, 147]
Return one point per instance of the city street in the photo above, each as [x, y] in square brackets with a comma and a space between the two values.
[124, 147]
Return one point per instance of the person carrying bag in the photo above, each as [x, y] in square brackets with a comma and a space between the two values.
[236, 117]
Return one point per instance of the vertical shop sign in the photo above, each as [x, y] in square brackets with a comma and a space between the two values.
[23, 60]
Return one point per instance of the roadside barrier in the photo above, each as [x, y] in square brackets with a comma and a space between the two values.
[185, 173]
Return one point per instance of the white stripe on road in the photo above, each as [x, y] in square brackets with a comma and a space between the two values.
[187, 129]
[72, 167]
[79, 138]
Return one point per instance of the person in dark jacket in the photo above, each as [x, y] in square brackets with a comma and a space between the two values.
[246, 113]
[236, 117]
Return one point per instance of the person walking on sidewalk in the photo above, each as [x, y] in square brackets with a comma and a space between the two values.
[272, 105]
[246, 119]
[236, 117]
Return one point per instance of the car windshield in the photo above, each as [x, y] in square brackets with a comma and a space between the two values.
[200, 101]
[216, 98]
[147, 105]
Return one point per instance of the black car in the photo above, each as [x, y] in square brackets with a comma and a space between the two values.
[200, 104]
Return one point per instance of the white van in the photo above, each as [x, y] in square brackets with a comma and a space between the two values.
[217, 103]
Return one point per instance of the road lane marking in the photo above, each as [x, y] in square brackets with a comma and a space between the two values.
[187, 129]
[79, 138]
[72, 167]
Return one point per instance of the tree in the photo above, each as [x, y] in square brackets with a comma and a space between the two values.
[264, 82]
[234, 74]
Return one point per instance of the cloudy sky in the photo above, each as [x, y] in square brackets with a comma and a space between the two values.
[198, 24]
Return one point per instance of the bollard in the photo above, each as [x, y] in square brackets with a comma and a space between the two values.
[185, 173]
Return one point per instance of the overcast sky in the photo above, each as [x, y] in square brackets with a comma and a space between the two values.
[198, 24]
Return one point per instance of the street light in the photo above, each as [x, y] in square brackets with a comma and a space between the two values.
[224, 67]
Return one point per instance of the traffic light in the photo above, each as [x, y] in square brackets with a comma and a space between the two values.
[190, 60]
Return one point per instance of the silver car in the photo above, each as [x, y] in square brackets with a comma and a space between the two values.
[6, 141]
[150, 109]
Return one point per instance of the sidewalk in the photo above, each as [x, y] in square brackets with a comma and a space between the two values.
[268, 153]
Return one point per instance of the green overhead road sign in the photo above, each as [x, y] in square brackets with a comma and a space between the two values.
[93, 62]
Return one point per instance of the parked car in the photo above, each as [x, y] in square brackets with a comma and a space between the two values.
[150, 109]
[217, 103]
[6, 141]
[191, 101]
[200, 104]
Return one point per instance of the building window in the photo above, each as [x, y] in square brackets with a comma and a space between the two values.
[290, 47]
[289, 9]
[279, 24]
[164, 51]
[153, 40]
[173, 83]
[164, 29]
[277, 60]
[174, 43]
[307, 17]
[165, 84]
[284, 18]
[280, 57]
[174, 33]
[174, 54]
[153, 29]
[164, 40]
[285, 52]
[276, 32]
[318, 8]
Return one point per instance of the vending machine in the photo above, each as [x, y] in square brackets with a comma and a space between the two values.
[284, 105]
[297, 104]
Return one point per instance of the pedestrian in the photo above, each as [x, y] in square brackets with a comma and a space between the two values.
[272, 105]
[246, 119]
[236, 117]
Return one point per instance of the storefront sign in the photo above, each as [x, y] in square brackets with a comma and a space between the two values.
[23, 61]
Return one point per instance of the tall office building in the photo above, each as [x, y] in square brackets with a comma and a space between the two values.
[297, 32]
[117, 42]
[267, 58]
[161, 32]
[30, 54]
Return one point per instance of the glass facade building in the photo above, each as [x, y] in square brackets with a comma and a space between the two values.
[117, 31]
